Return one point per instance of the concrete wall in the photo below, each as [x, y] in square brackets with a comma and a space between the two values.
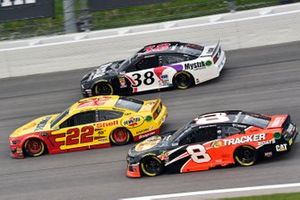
[244, 29]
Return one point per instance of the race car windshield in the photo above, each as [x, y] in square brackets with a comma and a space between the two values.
[191, 49]
[126, 63]
[130, 104]
[255, 120]
[175, 136]
[59, 117]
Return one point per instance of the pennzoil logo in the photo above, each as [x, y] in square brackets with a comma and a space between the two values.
[133, 122]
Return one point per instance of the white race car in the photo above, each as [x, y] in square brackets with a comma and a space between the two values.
[156, 66]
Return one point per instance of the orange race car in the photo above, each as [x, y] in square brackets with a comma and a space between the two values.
[88, 124]
[213, 139]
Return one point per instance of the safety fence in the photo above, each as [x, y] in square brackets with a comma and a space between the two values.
[126, 16]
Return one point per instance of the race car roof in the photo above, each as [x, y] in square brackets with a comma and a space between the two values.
[172, 47]
[98, 101]
[233, 116]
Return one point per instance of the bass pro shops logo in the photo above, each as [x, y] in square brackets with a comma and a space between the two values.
[7, 3]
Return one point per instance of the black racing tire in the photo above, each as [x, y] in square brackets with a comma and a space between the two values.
[103, 88]
[183, 80]
[151, 166]
[34, 147]
[245, 156]
[120, 136]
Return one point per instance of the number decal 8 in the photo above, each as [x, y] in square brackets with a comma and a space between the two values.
[198, 153]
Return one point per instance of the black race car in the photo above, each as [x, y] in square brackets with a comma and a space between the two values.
[213, 139]
[156, 66]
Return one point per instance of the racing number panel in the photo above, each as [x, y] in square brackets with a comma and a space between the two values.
[84, 129]
[195, 153]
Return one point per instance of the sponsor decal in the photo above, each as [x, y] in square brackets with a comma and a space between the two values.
[262, 143]
[107, 124]
[99, 131]
[101, 70]
[42, 124]
[158, 47]
[133, 121]
[122, 82]
[277, 122]
[268, 154]
[148, 118]
[281, 147]
[291, 141]
[142, 131]
[146, 135]
[245, 139]
[164, 156]
[197, 65]
[96, 101]
[148, 143]
[177, 67]
[208, 63]
[19, 150]
[217, 144]
[45, 134]
[164, 80]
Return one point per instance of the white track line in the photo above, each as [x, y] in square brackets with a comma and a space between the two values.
[218, 191]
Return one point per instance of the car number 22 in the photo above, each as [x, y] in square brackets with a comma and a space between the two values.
[198, 153]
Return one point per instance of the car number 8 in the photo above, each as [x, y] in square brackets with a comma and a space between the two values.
[198, 153]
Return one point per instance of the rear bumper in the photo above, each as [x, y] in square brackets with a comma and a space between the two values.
[221, 62]
[156, 124]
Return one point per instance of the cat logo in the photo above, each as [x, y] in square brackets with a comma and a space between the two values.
[7, 3]
[281, 147]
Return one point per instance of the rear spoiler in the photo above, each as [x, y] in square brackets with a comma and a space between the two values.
[210, 51]
[158, 101]
[280, 121]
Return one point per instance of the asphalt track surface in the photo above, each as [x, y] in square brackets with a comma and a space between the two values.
[264, 79]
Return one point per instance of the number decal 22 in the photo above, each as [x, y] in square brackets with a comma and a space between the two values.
[148, 78]
[198, 153]
[86, 135]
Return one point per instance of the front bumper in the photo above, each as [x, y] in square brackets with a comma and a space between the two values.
[85, 91]
[16, 150]
[133, 170]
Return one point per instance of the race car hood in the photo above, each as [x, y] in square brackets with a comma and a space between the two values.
[39, 124]
[103, 70]
[153, 144]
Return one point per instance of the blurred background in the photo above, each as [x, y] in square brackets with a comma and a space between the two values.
[29, 18]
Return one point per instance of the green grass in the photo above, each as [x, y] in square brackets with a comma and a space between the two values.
[290, 196]
[173, 10]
